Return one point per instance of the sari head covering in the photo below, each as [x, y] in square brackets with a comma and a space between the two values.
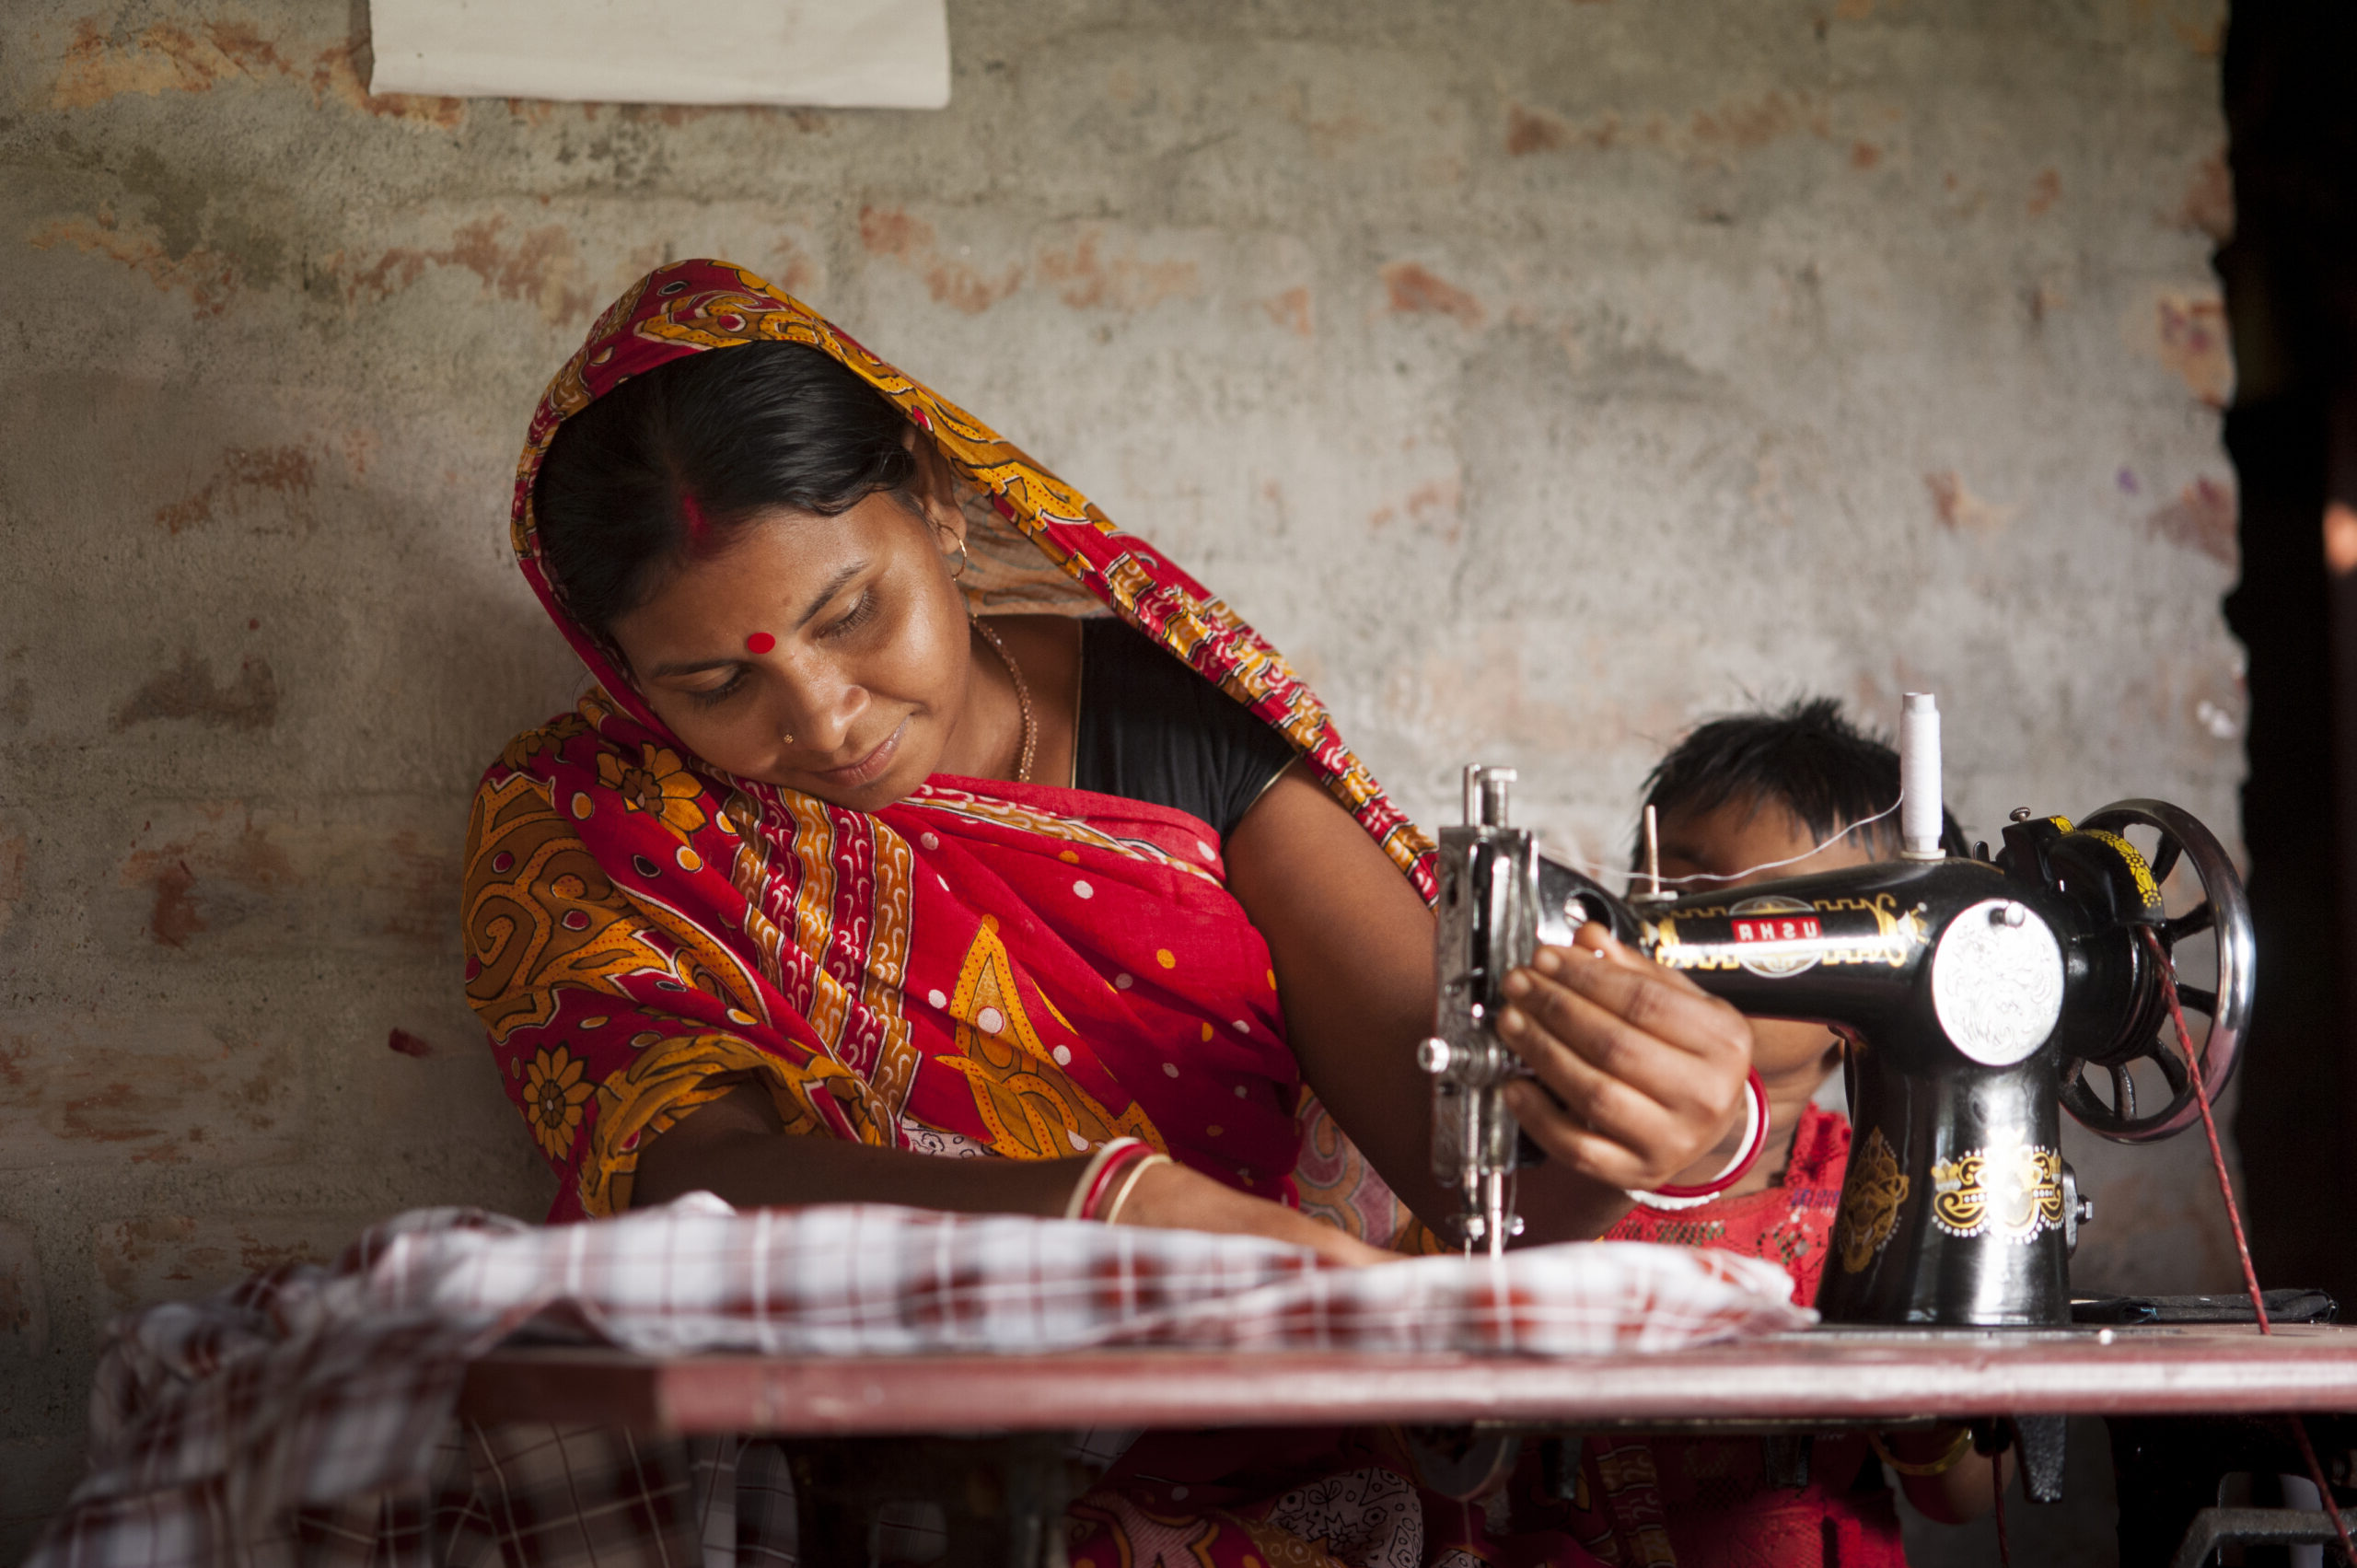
[982, 966]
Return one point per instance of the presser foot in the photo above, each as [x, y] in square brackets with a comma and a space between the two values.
[1489, 1221]
[1483, 1235]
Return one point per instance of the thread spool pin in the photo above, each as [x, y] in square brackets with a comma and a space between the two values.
[1920, 807]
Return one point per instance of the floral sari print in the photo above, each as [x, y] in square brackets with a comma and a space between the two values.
[981, 968]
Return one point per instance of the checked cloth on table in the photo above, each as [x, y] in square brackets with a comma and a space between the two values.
[306, 1415]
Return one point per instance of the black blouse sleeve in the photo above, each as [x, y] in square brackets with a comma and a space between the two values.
[1152, 729]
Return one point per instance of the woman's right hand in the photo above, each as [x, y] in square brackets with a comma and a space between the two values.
[1637, 1073]
[1171, 1197]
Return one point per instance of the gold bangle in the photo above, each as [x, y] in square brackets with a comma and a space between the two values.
[1941, 1465]
[1121, 1193]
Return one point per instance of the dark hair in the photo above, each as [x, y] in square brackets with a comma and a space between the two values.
[674, 462]
[1806, 756]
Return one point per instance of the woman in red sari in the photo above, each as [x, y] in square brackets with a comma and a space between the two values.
[803, 904]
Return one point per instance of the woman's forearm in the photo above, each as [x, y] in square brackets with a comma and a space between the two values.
[1351, 947]
[735, 1148]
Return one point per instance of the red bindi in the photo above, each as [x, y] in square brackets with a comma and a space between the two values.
[759, 642]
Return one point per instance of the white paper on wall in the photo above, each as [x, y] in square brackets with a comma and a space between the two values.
[832, 53]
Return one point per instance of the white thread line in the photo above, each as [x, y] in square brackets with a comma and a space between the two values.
[1594, 869]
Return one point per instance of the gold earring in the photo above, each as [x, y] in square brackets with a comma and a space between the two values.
[961, 572]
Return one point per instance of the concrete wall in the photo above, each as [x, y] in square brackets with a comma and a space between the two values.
[1544, 373]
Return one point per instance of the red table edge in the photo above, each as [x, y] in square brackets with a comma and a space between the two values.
[1805, 1379]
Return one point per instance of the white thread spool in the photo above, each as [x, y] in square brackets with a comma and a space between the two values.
[1919, 778]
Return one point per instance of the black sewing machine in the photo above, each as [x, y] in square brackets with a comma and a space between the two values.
[1978, 997]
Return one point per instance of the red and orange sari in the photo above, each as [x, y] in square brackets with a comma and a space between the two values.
[983, 968]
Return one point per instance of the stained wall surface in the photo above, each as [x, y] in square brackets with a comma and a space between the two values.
[1544, 373]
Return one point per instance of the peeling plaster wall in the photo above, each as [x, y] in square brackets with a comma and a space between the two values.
[1544, 375]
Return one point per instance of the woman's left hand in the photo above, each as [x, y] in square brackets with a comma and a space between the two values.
[1642, 1071]
[1170, 1196]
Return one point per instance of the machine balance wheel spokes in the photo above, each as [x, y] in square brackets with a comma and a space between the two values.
[2218, 1015]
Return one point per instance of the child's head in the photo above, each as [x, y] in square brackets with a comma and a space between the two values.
[1751, 788]
[1740, 792]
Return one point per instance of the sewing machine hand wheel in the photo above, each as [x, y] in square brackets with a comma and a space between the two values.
[2224, 913]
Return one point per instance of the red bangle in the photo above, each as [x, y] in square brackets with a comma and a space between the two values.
[1755, 1138]
[1102, 1173]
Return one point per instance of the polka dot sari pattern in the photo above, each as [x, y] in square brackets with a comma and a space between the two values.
[1031, 969]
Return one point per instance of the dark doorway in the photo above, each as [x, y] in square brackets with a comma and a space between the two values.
[2289, 271]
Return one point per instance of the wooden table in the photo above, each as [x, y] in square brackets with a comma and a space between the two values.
[958, 1426]
[1825, 1377]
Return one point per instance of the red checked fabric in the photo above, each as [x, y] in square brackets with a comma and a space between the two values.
[306, 1415]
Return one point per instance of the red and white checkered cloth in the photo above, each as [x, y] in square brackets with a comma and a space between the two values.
[220, 1427]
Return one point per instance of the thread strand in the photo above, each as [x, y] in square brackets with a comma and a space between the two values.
[1594, 869]
[1997, 1474]
[2234, 1218]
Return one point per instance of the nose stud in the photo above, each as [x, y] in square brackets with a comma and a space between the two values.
[786, 738]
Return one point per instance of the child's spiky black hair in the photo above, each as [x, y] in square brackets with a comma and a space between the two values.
[1806, 756]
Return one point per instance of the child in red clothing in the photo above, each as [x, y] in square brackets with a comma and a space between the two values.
[1749, 798]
